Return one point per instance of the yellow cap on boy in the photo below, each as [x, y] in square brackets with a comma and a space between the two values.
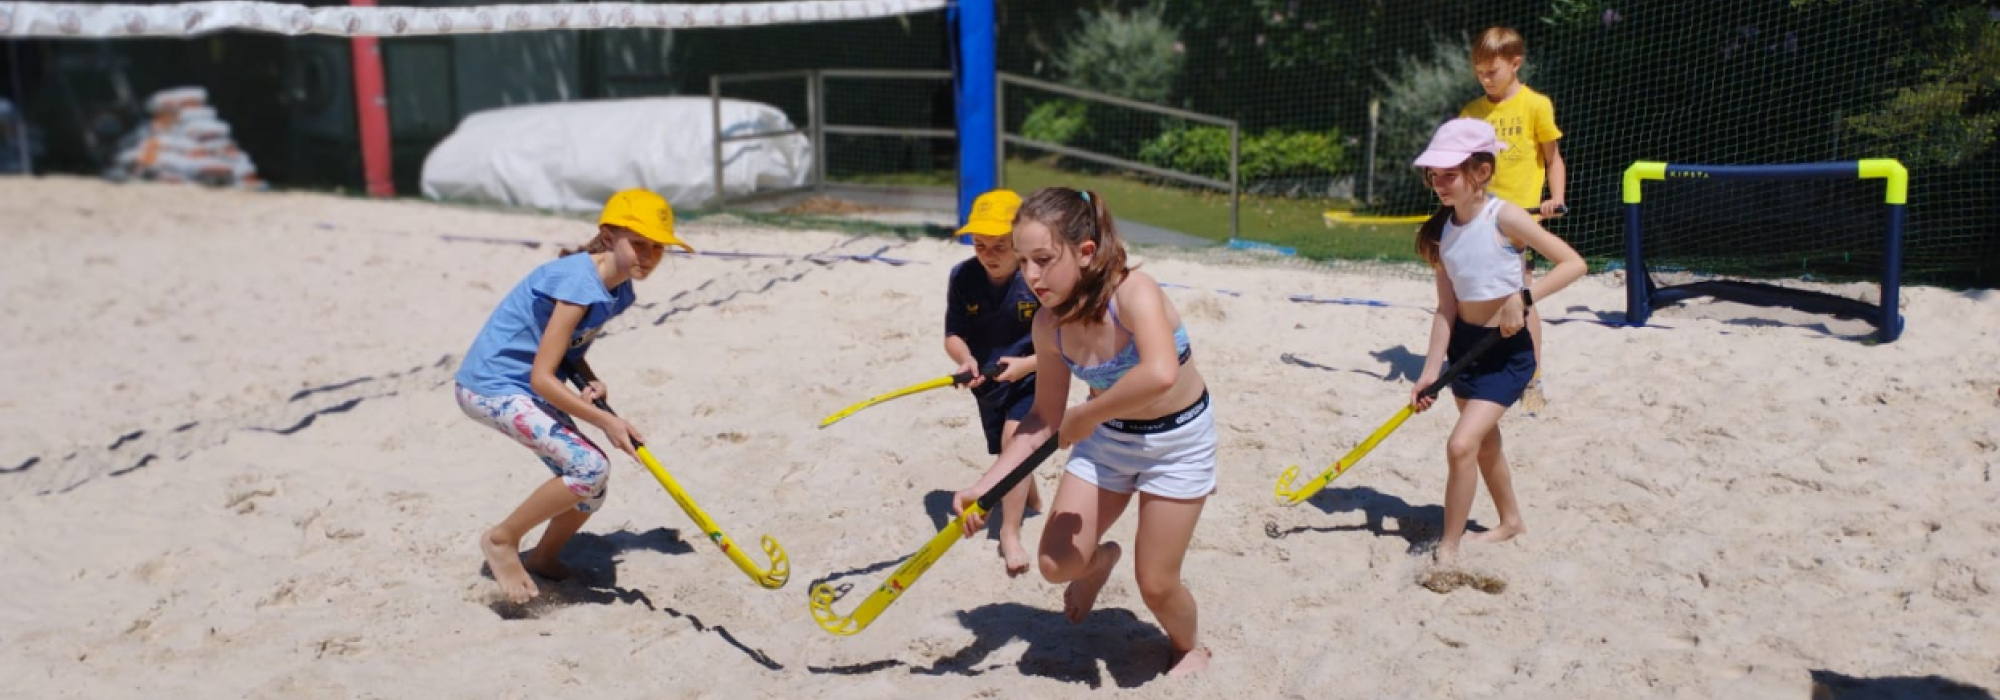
[644, 213]
[992, 214]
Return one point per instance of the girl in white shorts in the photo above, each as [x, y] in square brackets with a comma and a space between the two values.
[1147, 427]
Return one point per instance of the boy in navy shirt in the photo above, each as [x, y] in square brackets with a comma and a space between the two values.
[989, 312]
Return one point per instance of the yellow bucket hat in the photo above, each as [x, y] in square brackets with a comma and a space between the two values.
[644, 213]
[993, 214]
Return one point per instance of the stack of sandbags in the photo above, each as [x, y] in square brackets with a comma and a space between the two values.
[184, 142]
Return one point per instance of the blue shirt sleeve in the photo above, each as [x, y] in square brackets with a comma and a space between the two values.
[568, 282]
[956, 322]
[1025, 347]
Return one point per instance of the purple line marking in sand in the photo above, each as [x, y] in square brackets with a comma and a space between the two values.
[1351, 301]
[1602, 322]
[1176, 285]
[874, 257]
[523, 242]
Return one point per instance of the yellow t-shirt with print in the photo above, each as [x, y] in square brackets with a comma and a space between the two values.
[1524, 122]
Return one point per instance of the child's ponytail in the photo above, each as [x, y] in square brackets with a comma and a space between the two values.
[601, 243]
[1430, 237]
[1107, 267]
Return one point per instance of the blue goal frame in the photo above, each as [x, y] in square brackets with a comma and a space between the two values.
[1641, 295]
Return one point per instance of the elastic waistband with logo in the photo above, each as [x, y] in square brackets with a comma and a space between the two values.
[1163, 423]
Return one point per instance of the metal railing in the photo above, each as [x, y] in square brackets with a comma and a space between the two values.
[715, 83]
[1233, 186]
[815, 127]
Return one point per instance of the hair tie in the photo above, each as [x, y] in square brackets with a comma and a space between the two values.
[1085, 194]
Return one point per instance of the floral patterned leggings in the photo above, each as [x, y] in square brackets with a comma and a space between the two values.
[552, 435]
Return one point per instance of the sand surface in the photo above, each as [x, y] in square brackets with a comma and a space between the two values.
[232, 467]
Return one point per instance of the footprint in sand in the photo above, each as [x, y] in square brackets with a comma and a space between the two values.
[244, 490]
[245, 501]
[653, 378]
[487, 595]
[284, 595]
[348, 645]
[1207, 309]
[1447, 580]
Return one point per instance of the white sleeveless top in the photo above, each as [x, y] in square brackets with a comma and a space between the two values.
[1481, 267]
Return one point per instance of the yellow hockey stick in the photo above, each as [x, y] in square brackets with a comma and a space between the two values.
[1293, 495]
[773, 576]
[824, 595]
[948, 380]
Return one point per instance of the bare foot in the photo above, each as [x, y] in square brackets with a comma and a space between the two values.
[1015, 556]
[1499, 534]
[1081, 595]
[549, 568]
[1447, 554]
[1193, 662]
[1533, 400]
[504, 558]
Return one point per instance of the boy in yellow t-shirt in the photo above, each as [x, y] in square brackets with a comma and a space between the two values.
[1526, 121]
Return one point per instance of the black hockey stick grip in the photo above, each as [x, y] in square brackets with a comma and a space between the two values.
[992, 496]
[576, 378]
[990, 372]
[1451, 372]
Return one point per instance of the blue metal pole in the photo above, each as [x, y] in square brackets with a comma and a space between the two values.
[1891, 326]
[1843, 170]
[973, 77]
[1638, 305]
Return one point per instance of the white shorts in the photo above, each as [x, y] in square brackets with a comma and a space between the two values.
[1173, 457]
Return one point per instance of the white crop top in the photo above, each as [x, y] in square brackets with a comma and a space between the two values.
[1481, 267]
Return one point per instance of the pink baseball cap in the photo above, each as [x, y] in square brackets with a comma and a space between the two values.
[1457, 140]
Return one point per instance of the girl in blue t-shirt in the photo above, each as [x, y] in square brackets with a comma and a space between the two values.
[512, 380]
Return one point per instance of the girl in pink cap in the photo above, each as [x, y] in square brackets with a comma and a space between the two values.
[1474, 243]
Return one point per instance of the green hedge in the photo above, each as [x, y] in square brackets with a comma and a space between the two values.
[1061, 122]
[1204, 150]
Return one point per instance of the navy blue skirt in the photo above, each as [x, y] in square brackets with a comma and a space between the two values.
[1501, 375]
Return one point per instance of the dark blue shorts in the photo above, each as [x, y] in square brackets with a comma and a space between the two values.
[1500, 375]
[1003, 403]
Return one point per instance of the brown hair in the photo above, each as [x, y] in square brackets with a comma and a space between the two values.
[600, 243]
[1430, 236]
[1072, 217]
[1497, 42]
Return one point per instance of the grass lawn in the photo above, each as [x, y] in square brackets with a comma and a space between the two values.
[939, 178]
[1292, 222]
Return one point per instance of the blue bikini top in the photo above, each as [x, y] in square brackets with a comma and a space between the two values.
[1101, 377]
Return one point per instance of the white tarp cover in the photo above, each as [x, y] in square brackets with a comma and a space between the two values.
[106, 20]
[573, 155]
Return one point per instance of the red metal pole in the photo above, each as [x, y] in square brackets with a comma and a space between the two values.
[371, 102]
